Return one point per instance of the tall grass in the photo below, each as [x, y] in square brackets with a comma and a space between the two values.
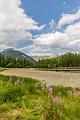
[28, 99]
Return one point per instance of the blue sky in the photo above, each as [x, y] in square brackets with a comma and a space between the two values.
[45, 10]
[40, 27]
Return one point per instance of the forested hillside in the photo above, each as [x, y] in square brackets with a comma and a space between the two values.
[69, 60]
[10, 62]
[16, 54]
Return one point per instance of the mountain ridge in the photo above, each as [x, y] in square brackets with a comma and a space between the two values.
[16, 54]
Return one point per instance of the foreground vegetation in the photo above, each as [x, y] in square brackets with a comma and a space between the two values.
[27, 99]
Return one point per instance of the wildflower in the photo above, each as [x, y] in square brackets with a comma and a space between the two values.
[50, 90]
[58, 100]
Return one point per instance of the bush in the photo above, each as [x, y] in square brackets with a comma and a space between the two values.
[53, 112]
[12, 93]
[61, 91]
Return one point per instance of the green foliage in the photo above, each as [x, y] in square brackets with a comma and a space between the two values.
[27, 99]
[10, 62]
[13, 93]
[53, 112]
[22, 94]
[69, 60]
[61, 91]
[68, 110]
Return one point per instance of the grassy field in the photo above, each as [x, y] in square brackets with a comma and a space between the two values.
[54, 78]
[20, 99]
[2, 69]
[28, 99]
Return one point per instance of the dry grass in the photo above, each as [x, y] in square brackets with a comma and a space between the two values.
[51, 77]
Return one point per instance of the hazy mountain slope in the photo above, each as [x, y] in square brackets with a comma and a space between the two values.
[16, 54]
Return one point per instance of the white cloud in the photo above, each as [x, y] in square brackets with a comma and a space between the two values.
[69, 18]
[34, 50]
[51, 39]
[14, 23]
[15, 26]
[53, 25]
[59, 41]
[73, 31]
[46, 43]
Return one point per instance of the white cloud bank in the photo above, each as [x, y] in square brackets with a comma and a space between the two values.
[69, 39]
[15, 26]
[14, 23]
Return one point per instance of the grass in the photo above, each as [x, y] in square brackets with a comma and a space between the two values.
[2, 69]
[20, 98]
[28, 99]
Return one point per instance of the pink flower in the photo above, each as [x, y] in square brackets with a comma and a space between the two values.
[58, 100]
[50, 90]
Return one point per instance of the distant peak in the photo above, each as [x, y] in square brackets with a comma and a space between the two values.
[15, 53]
[10, 49]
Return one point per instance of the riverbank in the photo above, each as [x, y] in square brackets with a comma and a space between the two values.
[66, 79]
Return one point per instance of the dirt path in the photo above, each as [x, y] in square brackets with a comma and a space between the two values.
[51, 77]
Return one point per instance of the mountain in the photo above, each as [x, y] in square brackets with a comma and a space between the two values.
[44, 57]
[16, 54]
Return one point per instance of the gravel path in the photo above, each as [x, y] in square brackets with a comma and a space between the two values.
[51, 77]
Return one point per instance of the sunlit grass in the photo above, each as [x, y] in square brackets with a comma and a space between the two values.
[28, 99]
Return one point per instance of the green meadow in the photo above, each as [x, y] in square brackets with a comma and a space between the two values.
[28, 99]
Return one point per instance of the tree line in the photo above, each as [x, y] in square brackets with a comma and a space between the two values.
[69, 60]
[10, 62]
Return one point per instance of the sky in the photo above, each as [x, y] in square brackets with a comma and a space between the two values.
[40, 27]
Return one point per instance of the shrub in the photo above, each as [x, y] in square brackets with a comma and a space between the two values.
[12, 93]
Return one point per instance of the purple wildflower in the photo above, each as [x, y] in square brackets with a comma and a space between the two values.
[58, 100]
